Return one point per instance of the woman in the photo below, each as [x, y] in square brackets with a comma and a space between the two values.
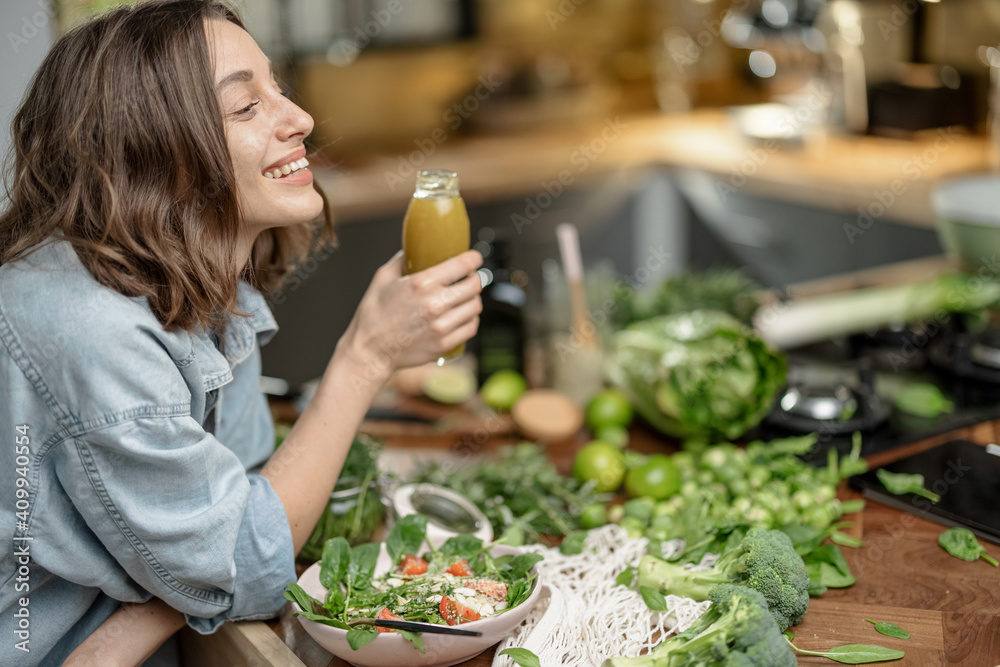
[160, 186]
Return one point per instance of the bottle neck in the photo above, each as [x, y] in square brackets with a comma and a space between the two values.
[436, 183]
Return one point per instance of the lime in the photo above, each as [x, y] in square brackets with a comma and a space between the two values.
[449, 384]
[593, 516]
[601, 463]
[657, 478]
[609, 407]
[613, 435]
[502, 389]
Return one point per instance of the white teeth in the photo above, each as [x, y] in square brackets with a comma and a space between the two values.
[284, 170]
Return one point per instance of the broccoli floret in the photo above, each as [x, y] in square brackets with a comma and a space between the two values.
[764, 560]
[736, 631]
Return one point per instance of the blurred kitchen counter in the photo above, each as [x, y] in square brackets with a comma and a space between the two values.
[884, 176]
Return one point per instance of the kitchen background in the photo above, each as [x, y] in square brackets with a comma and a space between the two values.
[399, 84]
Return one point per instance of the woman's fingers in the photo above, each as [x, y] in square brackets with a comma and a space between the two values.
[454, 269]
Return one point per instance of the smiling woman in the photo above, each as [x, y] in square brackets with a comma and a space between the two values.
[160, 188]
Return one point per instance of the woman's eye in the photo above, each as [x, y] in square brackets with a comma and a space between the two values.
[247, 109]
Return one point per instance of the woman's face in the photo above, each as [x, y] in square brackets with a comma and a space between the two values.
[265, 132]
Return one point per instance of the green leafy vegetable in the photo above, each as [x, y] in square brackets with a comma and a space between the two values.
[902, 483]
[653, 598]
[415, 638]
[855, 654]
[360, 636]
[923, 400]
[962, 543]
[726, 290]
[735, 630]
[406, 536]
[522, 656]
[626, 577]
[845, 540]
[573, 543]
[521, 493]
[698, 374]
[336, 559]
[889, 629]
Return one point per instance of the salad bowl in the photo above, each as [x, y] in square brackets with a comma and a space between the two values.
[390, 648]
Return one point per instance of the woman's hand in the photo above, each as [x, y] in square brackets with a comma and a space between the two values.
[407, 320]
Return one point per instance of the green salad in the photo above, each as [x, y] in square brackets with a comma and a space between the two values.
[455, 583]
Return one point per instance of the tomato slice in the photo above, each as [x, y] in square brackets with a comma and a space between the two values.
[412, 565]
[386, 615]
[460, 569]
[454, 612]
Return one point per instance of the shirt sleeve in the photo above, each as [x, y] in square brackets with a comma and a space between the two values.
[177, 511]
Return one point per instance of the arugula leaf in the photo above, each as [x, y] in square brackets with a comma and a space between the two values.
[405, 537]
[333, 566]
[360, 635]
[653, 598]
[901, 483]
[962, 543]
[889, 629]
[522, 657]
[310, 606]
[414, 638]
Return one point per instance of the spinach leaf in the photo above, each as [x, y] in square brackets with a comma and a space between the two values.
[573, 544]
[855, 654]
[653, 598]
[626, 577]
[845, 540]
[311, 607]
[363, 559]
[414, 638]
[462, 546]
[923, 400]
[901, 483]
[831, 577]
[405, 537]
[519, 591]
[521, 565]
[889, 629]
[962, 543]
[360, 635]
[333, 566]
[522, 657]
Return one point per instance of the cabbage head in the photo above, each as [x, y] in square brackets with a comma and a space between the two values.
[701, 374]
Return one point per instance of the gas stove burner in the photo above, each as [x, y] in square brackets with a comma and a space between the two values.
[838, 403]
[985, 350]
[968, 356]
[811, 405]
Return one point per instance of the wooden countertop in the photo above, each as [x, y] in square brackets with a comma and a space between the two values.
[839, 172]
[951, 607]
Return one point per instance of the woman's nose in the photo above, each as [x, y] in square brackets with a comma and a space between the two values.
[294, 120]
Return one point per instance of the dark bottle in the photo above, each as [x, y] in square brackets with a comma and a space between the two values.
[500, 342]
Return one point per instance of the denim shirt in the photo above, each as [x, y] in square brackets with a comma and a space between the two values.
[124, 451]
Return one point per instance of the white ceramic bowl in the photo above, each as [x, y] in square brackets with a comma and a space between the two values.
[390, 648]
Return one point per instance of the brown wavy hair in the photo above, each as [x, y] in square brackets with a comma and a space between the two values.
[120, 149]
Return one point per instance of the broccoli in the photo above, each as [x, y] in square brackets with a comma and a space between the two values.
[736, 631]
[765, 560]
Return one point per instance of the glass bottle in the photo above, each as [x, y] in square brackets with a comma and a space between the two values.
[436, 226]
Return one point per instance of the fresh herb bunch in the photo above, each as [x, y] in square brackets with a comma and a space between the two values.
[521, 492]
[355, 510]
[727, 290]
